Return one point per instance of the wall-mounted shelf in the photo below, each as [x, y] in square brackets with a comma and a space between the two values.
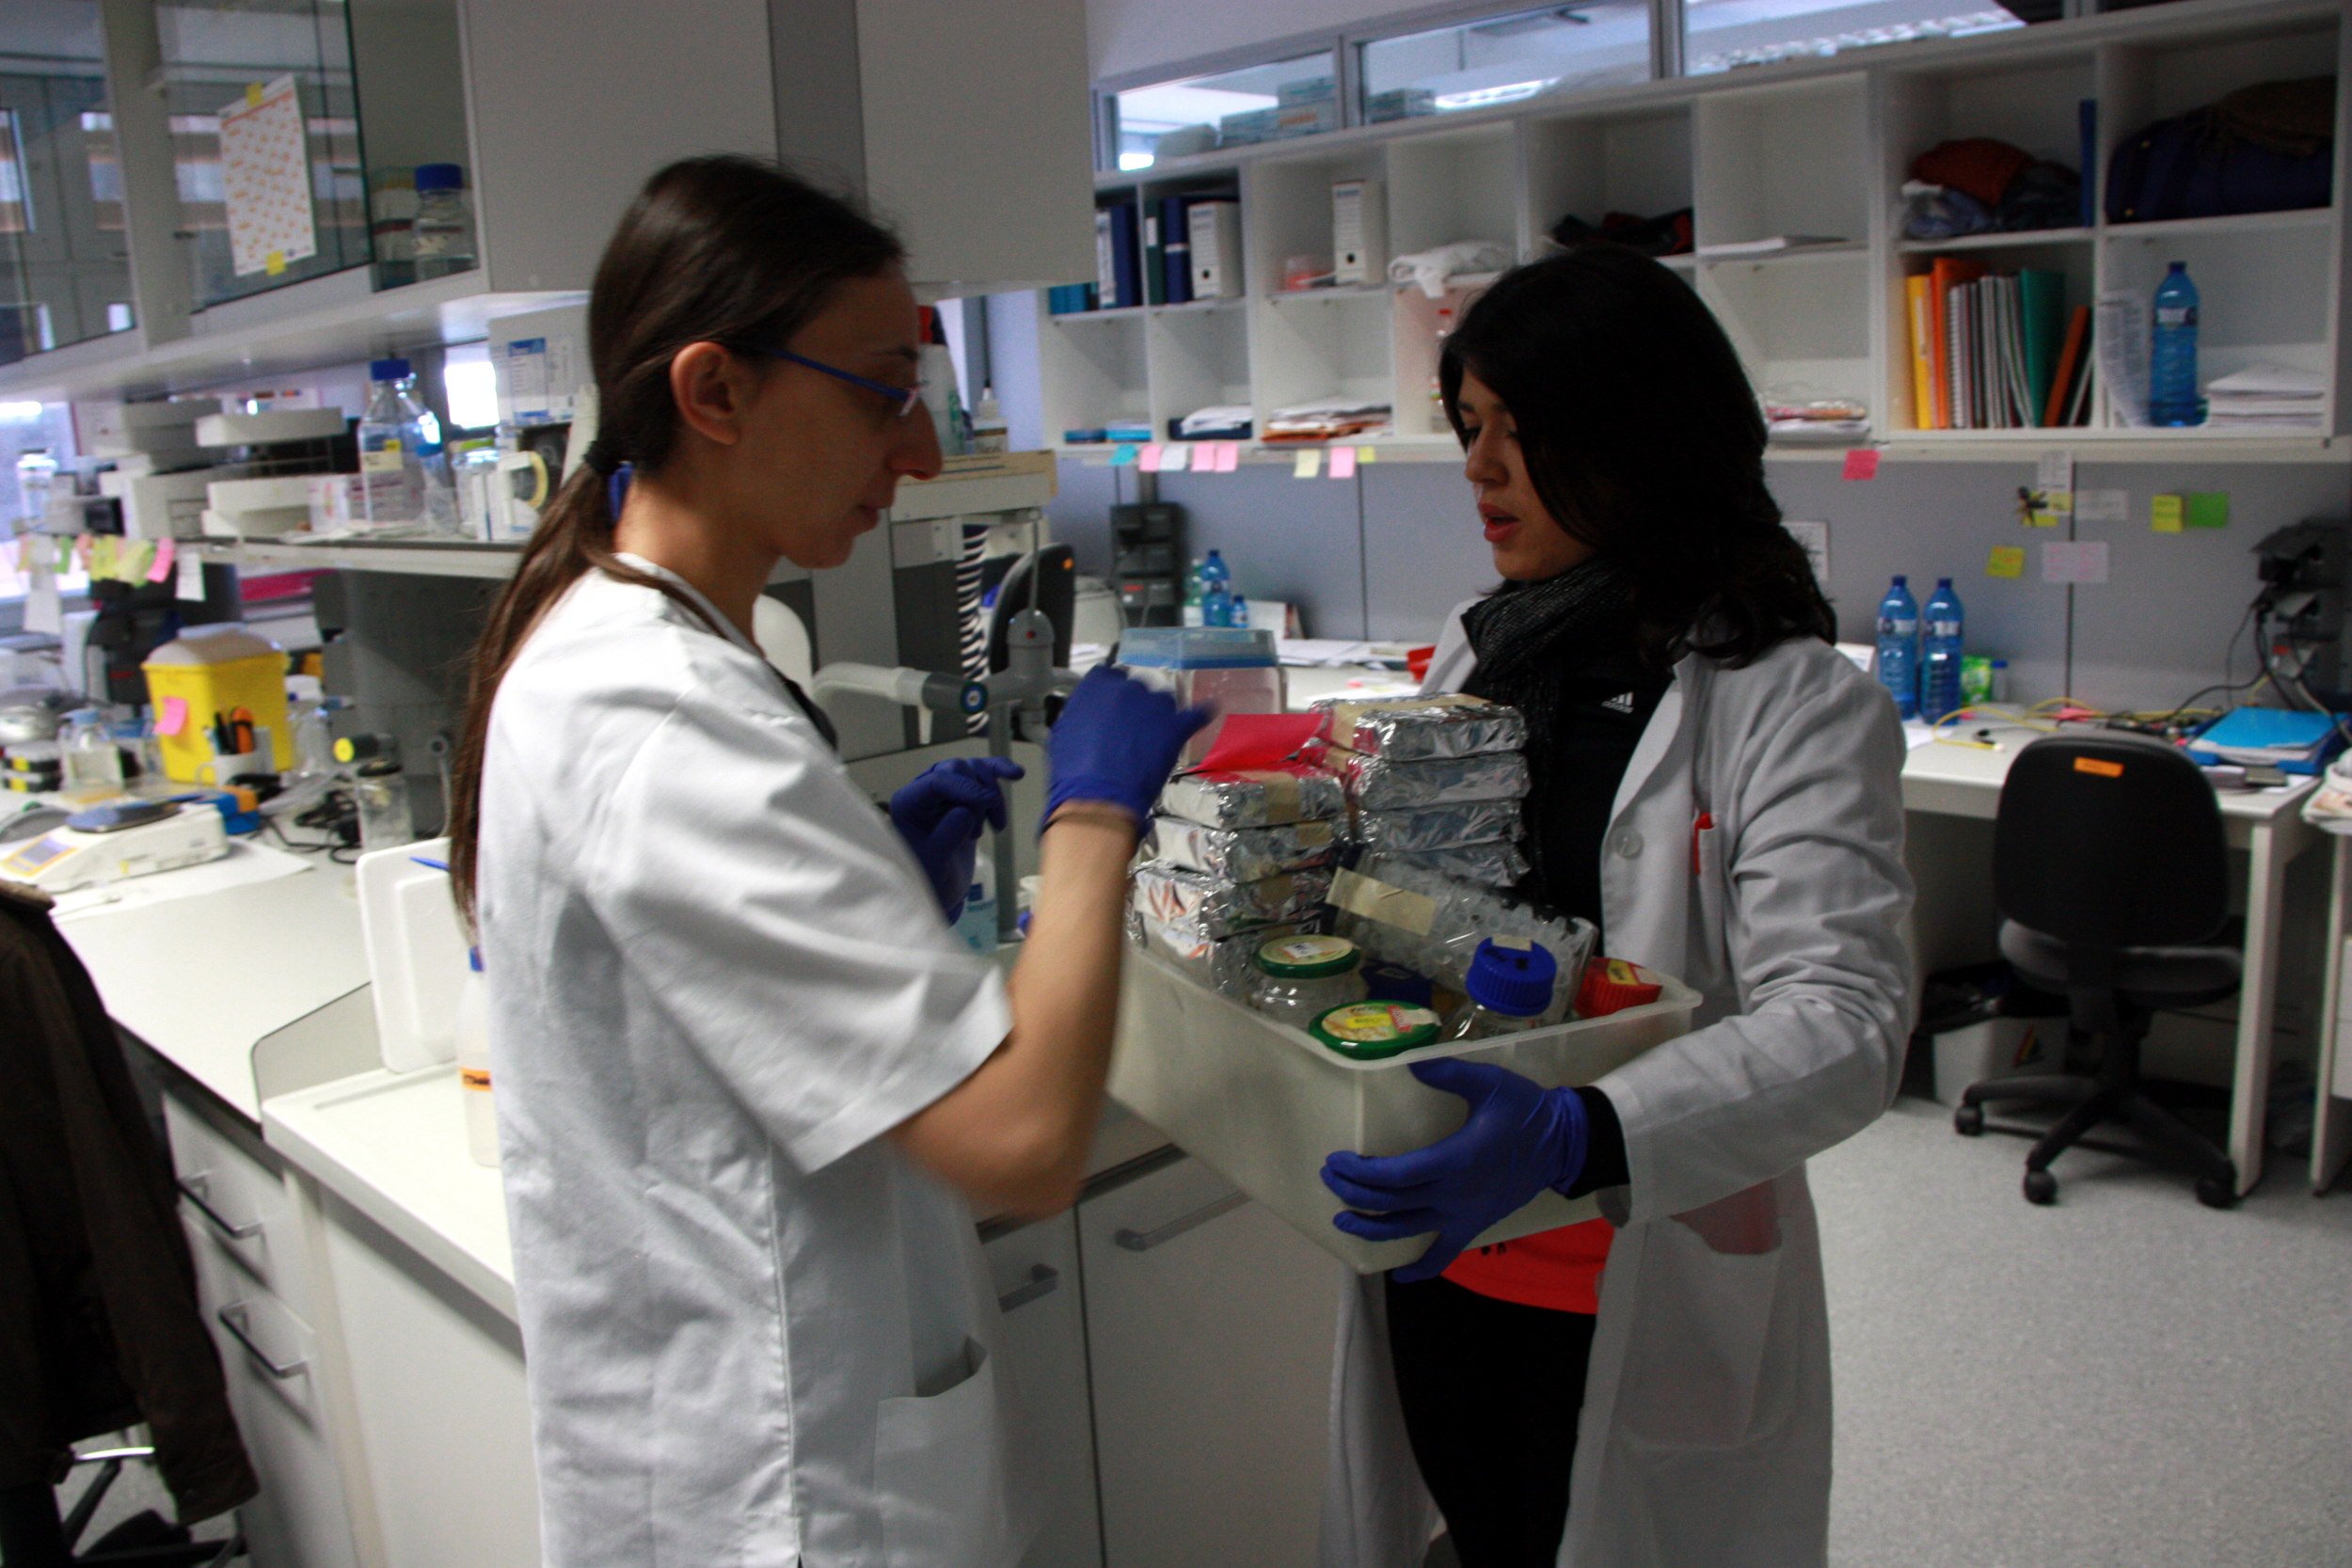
[1815, 147]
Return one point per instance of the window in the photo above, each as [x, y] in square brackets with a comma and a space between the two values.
[1502, 59]
[1231, 108]
[1719, 34]
[62, 259]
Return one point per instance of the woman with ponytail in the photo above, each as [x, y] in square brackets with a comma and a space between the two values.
[749, 1080]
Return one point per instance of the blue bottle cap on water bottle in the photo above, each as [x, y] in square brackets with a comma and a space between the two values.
[1517, 980]
[387, 369]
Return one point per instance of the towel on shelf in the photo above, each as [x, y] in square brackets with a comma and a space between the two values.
[1431, 269]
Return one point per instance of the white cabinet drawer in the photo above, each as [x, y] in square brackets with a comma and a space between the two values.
[237, 1205]
[1035, 1271]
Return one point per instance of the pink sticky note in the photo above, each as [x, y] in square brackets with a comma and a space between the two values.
[1228, 457]
[174, 717]
[166, 552]
[1150, 461]
[1862, 462]
[1343, 461]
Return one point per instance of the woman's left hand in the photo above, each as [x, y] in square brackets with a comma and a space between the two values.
[1520, 1140]
[939, 815]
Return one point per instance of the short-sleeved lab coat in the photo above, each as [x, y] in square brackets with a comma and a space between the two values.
[753, 1328]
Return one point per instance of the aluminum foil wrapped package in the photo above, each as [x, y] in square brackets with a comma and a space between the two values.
[1422, 729]
[1224, 964]
[1376, 783]
[1495, 865]
[1169, 894]
[1240, 854]
[1255, 799]
[1400, 913]
[1418, 833]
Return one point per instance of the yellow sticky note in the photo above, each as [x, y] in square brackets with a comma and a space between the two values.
[102, 556]
[1365, 455]
[2164, 514]
[275, 264]
[2042, 516]
[2006, 561]
[1309, 464]
[138, 560]
[252, 94]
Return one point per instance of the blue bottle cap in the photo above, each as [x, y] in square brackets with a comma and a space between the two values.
[1387, 982]
[387, 369]
[1513, 980]
[441, 177]
[1900, 581]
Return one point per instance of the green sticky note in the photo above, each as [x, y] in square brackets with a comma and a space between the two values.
[2164, 514]
[2211, 510]
[2006, 561]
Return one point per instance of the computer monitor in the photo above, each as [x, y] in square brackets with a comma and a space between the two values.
[1045, 580]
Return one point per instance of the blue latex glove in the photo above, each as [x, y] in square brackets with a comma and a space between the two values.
[939, 815]
[1518, 1141]
[1117, 741]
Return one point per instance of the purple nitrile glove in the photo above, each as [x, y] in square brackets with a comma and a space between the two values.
[939, 815]
[1117, 741]
[1520, 1141]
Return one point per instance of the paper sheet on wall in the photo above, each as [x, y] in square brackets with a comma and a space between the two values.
[266, 179]
[43, 612]
[2084, 563]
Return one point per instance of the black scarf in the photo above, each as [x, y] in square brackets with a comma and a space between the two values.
[1565, 653]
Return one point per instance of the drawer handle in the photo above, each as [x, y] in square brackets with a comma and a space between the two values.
[1144, 1240]
[231, 1318]
[1043, 1282]
[197, 1189]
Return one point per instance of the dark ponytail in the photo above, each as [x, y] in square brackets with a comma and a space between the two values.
[730, 251]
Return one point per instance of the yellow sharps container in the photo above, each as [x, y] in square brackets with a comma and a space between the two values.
[192, 679]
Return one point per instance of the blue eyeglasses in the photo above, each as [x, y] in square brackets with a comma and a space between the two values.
[904, 399]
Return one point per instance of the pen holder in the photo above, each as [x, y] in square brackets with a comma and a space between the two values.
[236, 764]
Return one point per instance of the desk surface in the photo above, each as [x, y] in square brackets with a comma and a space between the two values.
[1954, 779]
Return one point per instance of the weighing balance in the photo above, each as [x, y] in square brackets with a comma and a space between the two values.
[120, 839]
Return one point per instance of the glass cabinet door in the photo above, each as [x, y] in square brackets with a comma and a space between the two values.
[266, 140]
[65, 269]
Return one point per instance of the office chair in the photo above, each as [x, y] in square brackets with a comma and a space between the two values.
[33, 1533]
[2112, 878]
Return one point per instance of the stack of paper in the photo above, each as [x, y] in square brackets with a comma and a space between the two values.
[1327, 419]
[2267, 397]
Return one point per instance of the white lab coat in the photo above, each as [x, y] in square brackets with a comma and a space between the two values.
[753, 1329]
[1705, 1440]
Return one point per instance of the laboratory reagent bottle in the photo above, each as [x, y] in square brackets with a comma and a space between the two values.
[442, 230]
[93, 768]
[977, 925]
[404, 475]
[1509, 985]
[2172, 363]
[473, 1064]
[1899, 647]
[1940, 669]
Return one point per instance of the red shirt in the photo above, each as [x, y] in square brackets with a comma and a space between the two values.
[1557, 1270]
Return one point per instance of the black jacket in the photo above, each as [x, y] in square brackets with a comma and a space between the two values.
[99, 1323]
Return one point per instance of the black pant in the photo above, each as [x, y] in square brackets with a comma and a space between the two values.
[1492, 1392]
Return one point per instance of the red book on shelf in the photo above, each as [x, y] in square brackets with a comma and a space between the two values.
[1947, 274]
[2077, 345]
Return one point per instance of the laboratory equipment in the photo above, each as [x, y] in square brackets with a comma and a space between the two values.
[1302, 978]
[1898, 662]
[1510, 987]
[2172, 397]
[256, 508]
[473, 1064]
[1401, 913]
[391, 226]
[395, 651]
[192, 679]
[36, 475]
[380, 790]
[1263, 1104]
[93, 765]
[416, 952]
[1226, 669]
[404, 470]
[1042, 580]
[976, 923]
[1940, 667]
[442, 231]
[111, 844]
[1147, 556]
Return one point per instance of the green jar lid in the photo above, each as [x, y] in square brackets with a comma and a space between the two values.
[1306, 957]
[1373, 1031]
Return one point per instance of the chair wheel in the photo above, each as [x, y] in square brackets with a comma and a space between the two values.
[2214, 1193]
[1968, 1121]
[2041, 1187]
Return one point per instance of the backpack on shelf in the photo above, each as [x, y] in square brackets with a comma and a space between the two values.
[2268, 148]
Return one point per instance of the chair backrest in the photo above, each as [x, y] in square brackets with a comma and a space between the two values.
[2109, 840]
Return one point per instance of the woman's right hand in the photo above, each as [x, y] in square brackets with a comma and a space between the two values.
[1116, 743]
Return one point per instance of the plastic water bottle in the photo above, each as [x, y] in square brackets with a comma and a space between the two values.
[1239, 615]
[1217, 592]
[1939, 671]
[1899, 647]
[977, 925]
[404, 472]
[442, 230]
[2173, 365]
[1196, 587]
[473, 1064]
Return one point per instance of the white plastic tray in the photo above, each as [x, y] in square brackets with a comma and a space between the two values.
[1263, 1104]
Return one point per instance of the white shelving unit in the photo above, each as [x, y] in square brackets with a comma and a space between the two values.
[1818, 150]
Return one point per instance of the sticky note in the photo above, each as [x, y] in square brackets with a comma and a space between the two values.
[102, 551]
[1365, 455]
[138, 562]
[2209, 510]
[1150, 461]
[1343, 461]
[2006, 561]
[1862, 462]
[1123, 456]
[276, 264]
[2165, 514]
[1175, 458]
[166, 552]
[2074, 561]
[81, 549]
[174, 717]
[1228, 457]
[2039, 515]
[1308, 464]
[2102, 506]
[252, 94]
[66, 549]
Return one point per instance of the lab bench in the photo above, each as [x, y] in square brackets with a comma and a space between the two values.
[354, 1267]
